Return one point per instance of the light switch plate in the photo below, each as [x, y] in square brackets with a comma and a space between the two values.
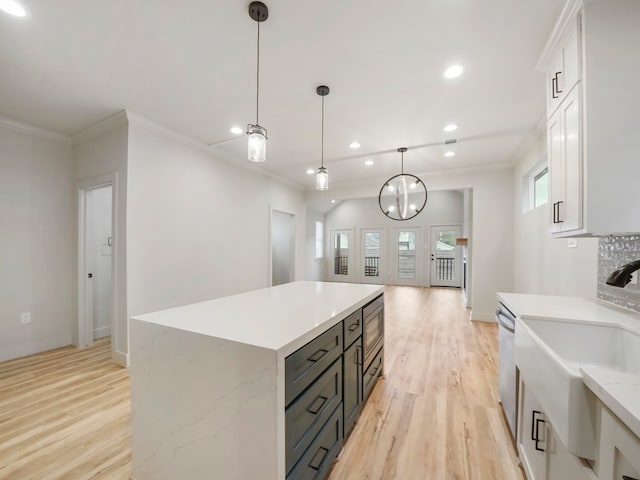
[572, 242]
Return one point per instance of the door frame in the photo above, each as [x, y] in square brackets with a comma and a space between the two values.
[382, 262]
[270, 244]
[458, 256]
[418, 280]
[85, 331]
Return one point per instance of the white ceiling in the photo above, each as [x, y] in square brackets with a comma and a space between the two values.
[190, 65]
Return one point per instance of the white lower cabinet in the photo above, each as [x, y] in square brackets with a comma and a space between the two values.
[542, 454]
[619, 457]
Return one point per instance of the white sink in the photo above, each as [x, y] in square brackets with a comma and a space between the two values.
[549, 354]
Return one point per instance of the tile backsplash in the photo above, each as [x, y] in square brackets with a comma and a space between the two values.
[612, 253]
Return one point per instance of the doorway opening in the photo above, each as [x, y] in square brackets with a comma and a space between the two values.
[283, 241]
[446, 258]
[96, 278]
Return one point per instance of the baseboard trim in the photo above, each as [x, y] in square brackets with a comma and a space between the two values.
[120, 358]
[39, 346]
[101, 332]
[483, 317]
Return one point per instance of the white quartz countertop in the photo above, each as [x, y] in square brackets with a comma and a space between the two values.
[576, 309]
[619, 391]
[281, 318]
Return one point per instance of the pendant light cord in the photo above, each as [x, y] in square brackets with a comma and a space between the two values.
[402, 163]
[322, 138]
[258, 76]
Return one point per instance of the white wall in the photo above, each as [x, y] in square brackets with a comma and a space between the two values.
[545, 265]
[282, 247]
[98, 254]
[443, 208]
[36, 244]
[491, 238]
[314, 270]
[198, 227]
[100, 152]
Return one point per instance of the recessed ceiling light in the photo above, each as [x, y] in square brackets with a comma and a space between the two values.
[368, 163]
[449, 154]
[354, 145]
[454, 71]
[452, 127]
[310, 171]
[12, 7]
[236, 130]
[333, 201]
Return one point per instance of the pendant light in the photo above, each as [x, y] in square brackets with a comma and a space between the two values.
[322, 175]
[403, 196]
[257, 144]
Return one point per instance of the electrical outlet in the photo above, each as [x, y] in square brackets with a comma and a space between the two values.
[25, 317]
[572, 243]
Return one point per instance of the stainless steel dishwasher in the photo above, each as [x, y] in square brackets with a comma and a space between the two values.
[507, 374]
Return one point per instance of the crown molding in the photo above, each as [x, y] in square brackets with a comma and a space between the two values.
[33, 130]
[101, 127]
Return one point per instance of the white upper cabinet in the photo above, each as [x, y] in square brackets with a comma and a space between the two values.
[592, 68]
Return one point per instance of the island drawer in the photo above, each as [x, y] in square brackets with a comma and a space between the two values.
[304, 365]
[306, 416]
[352, 327]
[371, 375]
[317, 460]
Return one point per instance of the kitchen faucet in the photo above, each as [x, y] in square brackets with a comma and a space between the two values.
[621, 276]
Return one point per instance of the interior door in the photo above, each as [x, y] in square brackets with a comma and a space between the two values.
[282, 247]
[446, 256]
[371, 255]
[407, 243]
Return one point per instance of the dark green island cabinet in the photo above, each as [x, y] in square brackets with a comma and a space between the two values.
[327, 382]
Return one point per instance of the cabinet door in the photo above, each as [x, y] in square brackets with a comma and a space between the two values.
[570, 212]
[565, 68]
[556, 169]
[562, 464]
[531, 435]
[619, 456]
[352, 385]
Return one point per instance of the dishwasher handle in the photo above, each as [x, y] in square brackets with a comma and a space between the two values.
[506, 322]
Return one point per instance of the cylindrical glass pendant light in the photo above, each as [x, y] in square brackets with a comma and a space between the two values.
[257, 143]
[322, 175]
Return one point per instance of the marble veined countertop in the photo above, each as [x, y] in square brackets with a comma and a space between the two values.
[619, 391]
[281, 318]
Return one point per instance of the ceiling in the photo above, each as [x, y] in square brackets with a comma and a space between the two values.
[189, 65]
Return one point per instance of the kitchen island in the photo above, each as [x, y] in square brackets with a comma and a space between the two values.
[217, 387]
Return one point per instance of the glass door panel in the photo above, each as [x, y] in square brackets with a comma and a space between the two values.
[371, 264]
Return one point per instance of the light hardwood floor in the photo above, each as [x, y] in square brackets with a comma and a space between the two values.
[64, 414]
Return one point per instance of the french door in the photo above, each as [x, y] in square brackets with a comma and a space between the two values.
[372, 255]
[341, 255]
[446, 257]
[407, 256]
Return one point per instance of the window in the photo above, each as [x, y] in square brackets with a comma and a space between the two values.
[541, 188]
[535, 187]
[319, 240]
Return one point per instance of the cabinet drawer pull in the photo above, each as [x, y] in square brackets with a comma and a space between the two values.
[558, 82]
[353, 327]
[537, 441]
[358, 355]
[554, 81]
[317, 405]
[555, 204]
[316, 462]
[559, 221]
[318, 355]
